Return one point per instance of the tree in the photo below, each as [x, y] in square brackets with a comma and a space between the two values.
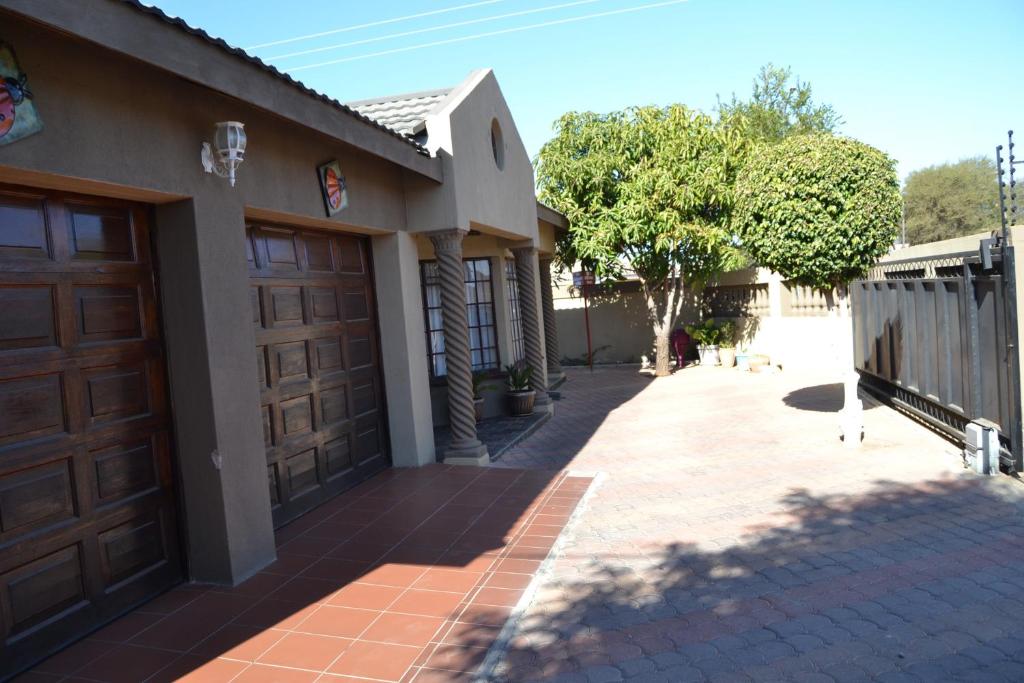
[780, 106]
[951, 200]
[821, 210]
[818, 209]
[648, 191]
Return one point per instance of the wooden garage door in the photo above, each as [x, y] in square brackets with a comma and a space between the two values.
[87, 523]
[319, 367]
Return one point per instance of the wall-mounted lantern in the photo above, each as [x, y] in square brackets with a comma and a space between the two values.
[228, 151]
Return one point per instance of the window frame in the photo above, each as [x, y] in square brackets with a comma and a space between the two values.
[515, 314]
[431, 354]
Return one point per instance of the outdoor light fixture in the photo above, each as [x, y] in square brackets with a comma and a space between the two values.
[229, 141]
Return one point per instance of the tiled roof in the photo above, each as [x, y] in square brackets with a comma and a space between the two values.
[242, 54]
[402, 113]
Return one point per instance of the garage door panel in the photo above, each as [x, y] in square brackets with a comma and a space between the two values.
[315, 334]
[23, 228]
[87, 520]
[28, 321]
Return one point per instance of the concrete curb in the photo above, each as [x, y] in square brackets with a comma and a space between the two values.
[485, 674]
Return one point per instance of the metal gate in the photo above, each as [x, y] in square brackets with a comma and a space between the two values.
[937, 338]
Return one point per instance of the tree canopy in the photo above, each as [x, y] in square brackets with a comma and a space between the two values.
[647, 190]
[951, 200]
[780, 106]
[818, 209]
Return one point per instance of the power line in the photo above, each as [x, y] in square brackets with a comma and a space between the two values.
[432, 29]
[371, 24]
[488, 34]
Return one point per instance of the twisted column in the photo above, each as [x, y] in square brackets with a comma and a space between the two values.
[465, 448]
[526, 275]
[550, 325]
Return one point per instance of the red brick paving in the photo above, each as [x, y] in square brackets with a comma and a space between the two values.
[408, 577]
[732, 537]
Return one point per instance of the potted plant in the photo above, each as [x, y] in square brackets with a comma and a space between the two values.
[479, 387]
[707, 336]
[727, 344]
[520, 395]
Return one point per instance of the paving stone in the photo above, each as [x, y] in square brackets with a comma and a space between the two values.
[875, 566]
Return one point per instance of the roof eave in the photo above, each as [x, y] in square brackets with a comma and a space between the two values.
[148, 35]
[548, 215]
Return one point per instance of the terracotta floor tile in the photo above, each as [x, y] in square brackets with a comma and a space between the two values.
[509, 580]
[197, 669]
[307, 590]
[456, 658]
[474, 562]
[257, 586]
[471, 635]
[365, 596]
[336, 530]
[127, 663]
[443, 579]
[73, 658]
[375, 660]
[503, 597]
[239, 642]
[259, 673]
[518, 566]
[403, 629]
[519, 552]
[343, 622]
[428, 603]
[126, 627]
[271, 613]
[534, 541]
[356, 551]
[398, 575]
[305, 651]
[179, 632]
[306, 546]
[488, 615]
[291, 565]
[335, 569]
[171, 601]
[410, 554]
[425, 675]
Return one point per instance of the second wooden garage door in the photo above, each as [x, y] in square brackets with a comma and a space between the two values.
[319, 366]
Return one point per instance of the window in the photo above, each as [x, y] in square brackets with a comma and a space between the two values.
[483, 340]
[497, 145]
[518, 346]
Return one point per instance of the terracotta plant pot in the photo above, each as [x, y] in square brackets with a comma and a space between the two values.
[521, 402]
[759, 363]
[727, 357]
[708, 355]
[478, 407]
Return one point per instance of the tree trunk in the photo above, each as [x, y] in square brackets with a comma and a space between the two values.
[662, 361]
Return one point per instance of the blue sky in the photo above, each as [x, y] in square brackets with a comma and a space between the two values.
[926, 81]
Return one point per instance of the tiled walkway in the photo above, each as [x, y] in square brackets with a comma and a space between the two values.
[409, 577]
[732, 538]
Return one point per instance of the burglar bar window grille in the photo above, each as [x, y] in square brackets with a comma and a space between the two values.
[518, 346]
[483, 340]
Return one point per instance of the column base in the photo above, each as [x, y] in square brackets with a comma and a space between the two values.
[467, 453]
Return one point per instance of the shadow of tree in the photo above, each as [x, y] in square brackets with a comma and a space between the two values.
[822, 398]
[903, 582]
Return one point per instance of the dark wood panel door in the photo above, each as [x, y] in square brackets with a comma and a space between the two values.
[87, 522]
[319, 366]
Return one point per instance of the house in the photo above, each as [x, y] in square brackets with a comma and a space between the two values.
[186, 365]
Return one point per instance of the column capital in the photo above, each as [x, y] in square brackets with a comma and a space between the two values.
[524, 250]
[448, 241]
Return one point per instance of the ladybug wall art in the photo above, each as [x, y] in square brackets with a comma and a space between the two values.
[332, 186]
[18, 117]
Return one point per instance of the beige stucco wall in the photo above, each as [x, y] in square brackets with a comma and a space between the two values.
[792, 338]
[492, 199]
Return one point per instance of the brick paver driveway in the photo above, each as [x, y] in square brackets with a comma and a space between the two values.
[732, 537]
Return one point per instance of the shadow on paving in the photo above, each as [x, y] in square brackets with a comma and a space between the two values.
[823, 398]
[589, 397]
[903, 583]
